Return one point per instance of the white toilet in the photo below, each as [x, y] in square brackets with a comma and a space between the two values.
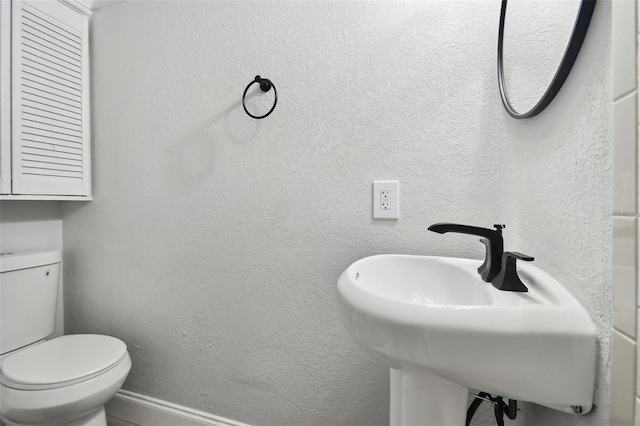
[62, 381]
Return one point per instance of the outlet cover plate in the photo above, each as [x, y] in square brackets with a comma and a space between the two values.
[393, 212]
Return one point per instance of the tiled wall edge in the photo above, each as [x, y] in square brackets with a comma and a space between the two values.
[625, 363]
[625, 214]
[624, 278]
[623, 380]
[625, 167]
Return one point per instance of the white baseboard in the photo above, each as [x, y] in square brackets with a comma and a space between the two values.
[146, 411]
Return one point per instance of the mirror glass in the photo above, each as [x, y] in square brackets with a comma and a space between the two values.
[537, 40]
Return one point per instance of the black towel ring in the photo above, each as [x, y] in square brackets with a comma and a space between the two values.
[265, 86]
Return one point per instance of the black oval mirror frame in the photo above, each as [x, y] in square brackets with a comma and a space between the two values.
[571, 53]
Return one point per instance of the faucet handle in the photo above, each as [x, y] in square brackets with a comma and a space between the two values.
[511, 256]
[508, 278]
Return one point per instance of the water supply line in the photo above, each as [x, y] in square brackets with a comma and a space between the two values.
[500, 408]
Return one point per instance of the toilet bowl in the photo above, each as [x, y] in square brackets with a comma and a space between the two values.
[62, 381]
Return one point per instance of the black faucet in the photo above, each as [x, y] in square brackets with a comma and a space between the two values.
[491, 238]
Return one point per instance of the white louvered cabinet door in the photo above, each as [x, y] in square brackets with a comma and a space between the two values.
[50, 99]
[5, 97]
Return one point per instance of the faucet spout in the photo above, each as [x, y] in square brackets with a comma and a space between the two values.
[492, 238]
[444, 227]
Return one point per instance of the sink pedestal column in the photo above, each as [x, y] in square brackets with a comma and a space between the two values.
[419, 397]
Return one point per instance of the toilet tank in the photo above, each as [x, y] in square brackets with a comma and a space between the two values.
[28, 297]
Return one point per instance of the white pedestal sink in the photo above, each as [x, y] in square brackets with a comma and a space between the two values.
[443, 330]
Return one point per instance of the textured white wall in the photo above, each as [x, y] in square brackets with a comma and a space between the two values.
[214, 242]
[33, 225]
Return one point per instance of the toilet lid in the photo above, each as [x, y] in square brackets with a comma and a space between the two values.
[63, 360]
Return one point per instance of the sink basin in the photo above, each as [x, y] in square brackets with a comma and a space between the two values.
[443, 331]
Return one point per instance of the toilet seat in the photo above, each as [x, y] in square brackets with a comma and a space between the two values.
[62, 361]
[64, 405]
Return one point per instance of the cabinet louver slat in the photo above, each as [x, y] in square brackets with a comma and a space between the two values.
[46, 153]
[50, 95]
[50, 159]
[49, 165]
[52, 173]
[51, 148]
[54, 144]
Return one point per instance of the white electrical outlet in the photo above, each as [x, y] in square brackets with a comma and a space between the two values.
[386, 200]
[385, 204]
